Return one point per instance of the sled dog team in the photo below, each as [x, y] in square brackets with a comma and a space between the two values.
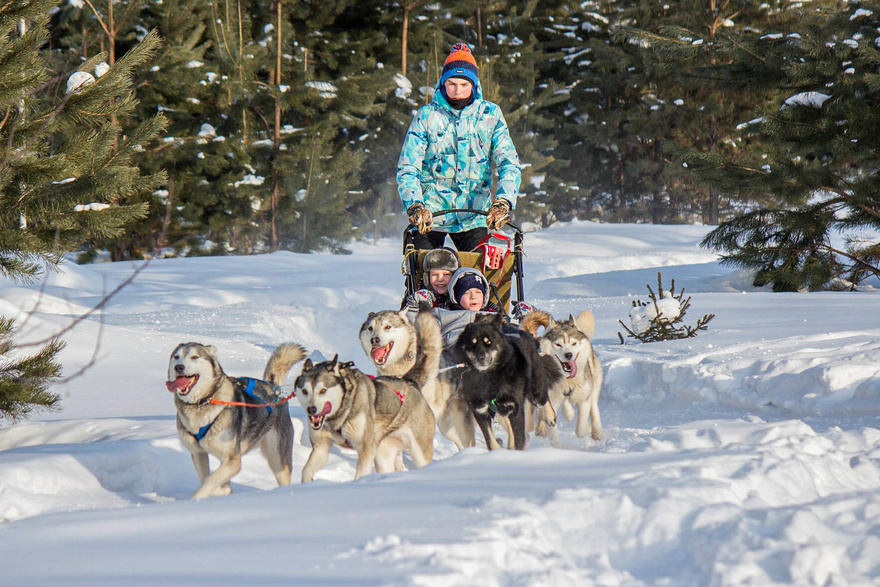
[491, 370]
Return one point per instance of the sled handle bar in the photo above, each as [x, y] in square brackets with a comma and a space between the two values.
[516, 228]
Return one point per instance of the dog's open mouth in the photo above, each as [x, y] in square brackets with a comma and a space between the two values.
[379, 354]
[317, 421]
[570, 367]
[182, 385]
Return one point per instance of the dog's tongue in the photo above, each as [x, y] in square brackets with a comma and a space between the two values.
[317, 421]
[178, 384]
[380, 353]
[571, 368]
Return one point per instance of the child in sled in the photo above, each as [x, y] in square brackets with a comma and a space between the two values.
[438, 268]
[468, 295]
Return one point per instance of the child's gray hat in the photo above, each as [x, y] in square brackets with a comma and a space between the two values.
[441, 259]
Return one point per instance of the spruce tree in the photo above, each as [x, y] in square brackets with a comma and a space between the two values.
[515, 75]
[64, 169]
[110, 29]
[612, 126]
[200, 209]
[684, 51]
[814, 151]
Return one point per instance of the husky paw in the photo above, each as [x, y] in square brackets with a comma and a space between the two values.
[597, 434]
[541, 429]
[201, 493]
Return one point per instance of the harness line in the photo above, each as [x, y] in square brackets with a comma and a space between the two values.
[249, 391]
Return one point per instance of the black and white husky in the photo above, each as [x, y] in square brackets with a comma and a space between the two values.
[570, 342]
[208, 425]
[504, 372]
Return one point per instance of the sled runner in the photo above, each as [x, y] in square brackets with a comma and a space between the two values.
[498, 257]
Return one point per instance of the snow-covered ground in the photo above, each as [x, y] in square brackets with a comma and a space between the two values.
[747, 455]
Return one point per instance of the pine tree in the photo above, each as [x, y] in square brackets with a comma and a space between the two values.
[110, 29]
[336, 101]
[296, 86]
[64, 168]
[682, 52]
[200, 209]
[814, 152]
[515, 76]
[25, 380]
[612, 126]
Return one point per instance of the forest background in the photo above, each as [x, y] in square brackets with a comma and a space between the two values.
[136, 129]
[284, 119]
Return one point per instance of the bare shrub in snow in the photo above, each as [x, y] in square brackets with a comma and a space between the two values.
[662, 317]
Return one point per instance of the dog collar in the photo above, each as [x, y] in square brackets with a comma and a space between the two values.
[206, 400]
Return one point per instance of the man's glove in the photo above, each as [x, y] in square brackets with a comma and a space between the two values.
[499, 214]
[420, 217]
[420, 297]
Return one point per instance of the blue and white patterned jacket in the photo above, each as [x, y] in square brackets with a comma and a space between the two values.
[446, 160]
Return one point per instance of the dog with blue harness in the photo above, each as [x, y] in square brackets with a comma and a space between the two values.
[226, 416]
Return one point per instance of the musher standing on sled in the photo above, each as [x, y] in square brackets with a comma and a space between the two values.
[446, 160]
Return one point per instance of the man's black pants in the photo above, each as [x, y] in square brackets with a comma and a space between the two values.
[464, 241]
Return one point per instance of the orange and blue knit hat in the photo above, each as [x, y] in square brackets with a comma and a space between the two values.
[460, 63]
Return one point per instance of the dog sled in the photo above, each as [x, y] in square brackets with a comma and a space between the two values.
[498, 257]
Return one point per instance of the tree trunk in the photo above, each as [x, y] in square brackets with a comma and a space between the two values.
[276, 139]
[162, 240]
[479, 27]
[712, 212]
[657, 207]
[403, 47]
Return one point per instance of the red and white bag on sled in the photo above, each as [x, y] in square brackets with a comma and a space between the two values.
[495, 249]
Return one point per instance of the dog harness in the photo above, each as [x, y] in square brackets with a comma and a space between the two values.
[400, 394]
[250, 384]
[247, 385]
[203, 430]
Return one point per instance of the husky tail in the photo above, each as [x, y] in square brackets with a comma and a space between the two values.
[285, 356]
[430, 343]
[535, 319]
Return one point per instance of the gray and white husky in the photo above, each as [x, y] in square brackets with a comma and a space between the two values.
[570, 342]
[393, 343]
[208, 425]
[379, 418]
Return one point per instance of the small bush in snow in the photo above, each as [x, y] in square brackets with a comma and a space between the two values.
[661, 317]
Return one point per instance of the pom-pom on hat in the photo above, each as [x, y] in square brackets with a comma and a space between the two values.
[444, 259]
[467, 278]
[460, 63]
